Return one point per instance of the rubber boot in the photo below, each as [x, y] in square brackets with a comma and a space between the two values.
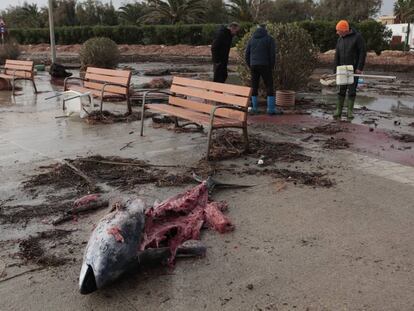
[350, 112]
[339, 107]
[254, 105]
[271, 106]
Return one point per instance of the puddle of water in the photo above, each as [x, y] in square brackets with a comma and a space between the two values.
[402, 106]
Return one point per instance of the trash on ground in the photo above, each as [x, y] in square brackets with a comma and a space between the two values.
[336, 143]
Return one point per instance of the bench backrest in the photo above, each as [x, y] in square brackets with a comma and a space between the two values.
[211, 94]
[97, 77]
[19, 68]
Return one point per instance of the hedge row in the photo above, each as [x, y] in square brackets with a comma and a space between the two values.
[324, 35]
[322, 32]
[158, 34]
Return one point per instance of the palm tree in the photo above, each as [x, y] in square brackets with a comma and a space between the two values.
[175, 11]
[131, 13]
[241, 10]
[32, 15]
[404, 11]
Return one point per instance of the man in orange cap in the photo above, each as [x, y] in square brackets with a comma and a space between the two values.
[350, 50]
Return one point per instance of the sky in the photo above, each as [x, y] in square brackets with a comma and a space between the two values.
[387, 6]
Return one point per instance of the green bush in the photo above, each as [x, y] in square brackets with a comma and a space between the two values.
[324, 34]
[99, 52]
[376, 35]
[9, 50]
[126, 34]
[296, 56]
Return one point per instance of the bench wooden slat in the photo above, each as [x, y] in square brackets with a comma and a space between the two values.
[17, 74]
[109, 72]
[109, 88]
[103, 78]
[18, 67]
[214, 86]
[95, 93]
[218, 97]
[207, 108]
[27, 64]
[198, 117]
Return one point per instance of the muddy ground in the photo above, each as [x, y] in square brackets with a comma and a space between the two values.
[326, 225]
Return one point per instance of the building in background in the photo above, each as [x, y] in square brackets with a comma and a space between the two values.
[399, 34]
[387, 19]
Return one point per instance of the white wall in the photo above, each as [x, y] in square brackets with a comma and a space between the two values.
[397, 30]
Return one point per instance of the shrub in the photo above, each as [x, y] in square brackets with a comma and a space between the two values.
[296, 56]
[99, 52]
[376, 35]
[9, 50]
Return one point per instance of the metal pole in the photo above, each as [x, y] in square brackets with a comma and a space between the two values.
[52, 32]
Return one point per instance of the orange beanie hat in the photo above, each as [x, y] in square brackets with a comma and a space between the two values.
[342, 25]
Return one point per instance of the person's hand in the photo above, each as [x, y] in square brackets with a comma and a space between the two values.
[359, 72]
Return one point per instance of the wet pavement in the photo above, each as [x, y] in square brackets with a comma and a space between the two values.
[295, 247]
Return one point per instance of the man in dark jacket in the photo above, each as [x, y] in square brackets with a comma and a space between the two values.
[261, 58]
[350, 50]
[220, 49]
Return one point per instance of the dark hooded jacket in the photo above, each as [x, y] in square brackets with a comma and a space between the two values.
[220, 48]
[261, 49]
[351, 50]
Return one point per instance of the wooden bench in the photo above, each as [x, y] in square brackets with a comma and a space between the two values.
[14, 70]
[216, 105]
[103, 84]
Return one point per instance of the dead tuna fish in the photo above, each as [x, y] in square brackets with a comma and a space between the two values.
[113, 243]
[113, 247]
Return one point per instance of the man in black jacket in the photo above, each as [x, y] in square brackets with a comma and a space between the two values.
[261, 58]
[220, 50]
[350, 50]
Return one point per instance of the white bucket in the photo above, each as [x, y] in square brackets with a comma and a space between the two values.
[345, 75]
[76, 104]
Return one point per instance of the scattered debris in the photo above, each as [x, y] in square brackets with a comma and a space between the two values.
[87, 203]
[229, 144]
[304, 178]
[32, 250]
[336, 143]
[157, 83]
[127, 145]
[328, 129]
[107, 117]
[405, 138]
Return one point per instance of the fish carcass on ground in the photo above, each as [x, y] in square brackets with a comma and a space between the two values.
[131, 235]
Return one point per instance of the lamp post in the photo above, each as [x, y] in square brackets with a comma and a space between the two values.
[52, 32]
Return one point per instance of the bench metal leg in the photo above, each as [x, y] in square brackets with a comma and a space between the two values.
[13, 86]
[34, 86]
[246, 139]
[210, 135]
[101, 104]
[143, 115]
[129, 105]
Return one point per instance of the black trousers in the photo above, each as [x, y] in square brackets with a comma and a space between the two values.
[266, 73]
[352, 89]
[220, 72]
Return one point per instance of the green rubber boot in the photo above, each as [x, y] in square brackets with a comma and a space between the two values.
[339, 107]
[350, 113]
